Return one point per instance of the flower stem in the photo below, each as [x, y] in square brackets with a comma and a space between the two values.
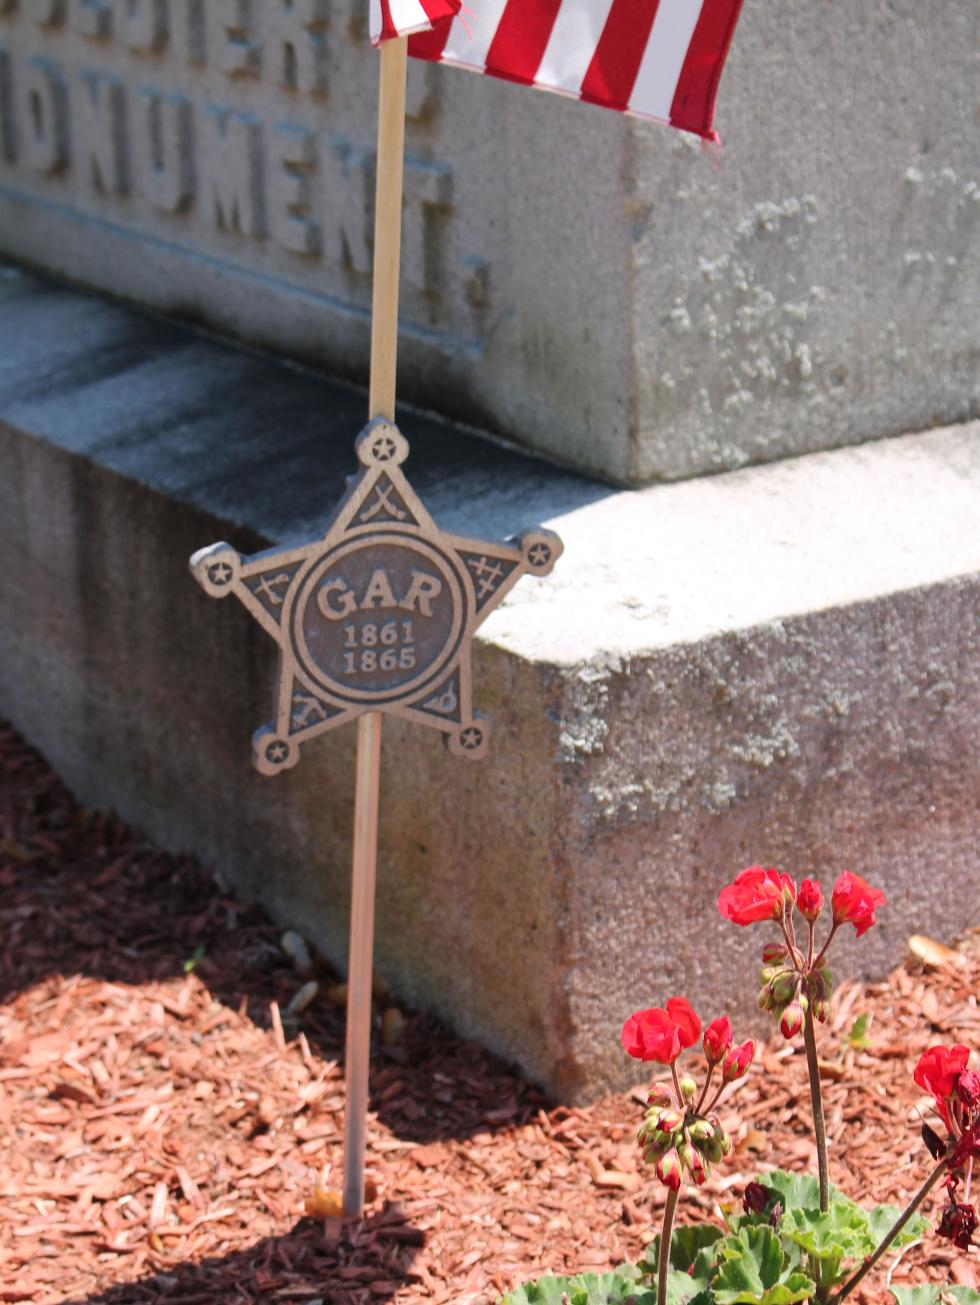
[823, 950]
[677, 1084]
[816, 1102]
[704, 1090]
[892, 1232]
[664, 1258]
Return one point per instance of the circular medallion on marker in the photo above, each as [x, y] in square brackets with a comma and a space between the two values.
[377, 618]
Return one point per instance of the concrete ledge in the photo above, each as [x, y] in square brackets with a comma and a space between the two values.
[775, 664]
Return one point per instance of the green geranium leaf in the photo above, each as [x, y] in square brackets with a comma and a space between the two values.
[617, 1288]
[930, 1295]
[691, 1263]
[683, 1289]
[842, 1231]
[883, 1217]
[689, 1250]
[753, 1269]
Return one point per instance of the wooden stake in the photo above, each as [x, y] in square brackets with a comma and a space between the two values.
[388, 227]
[384, 354]
[423, 673]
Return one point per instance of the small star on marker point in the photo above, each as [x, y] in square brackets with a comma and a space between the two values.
[220, 573]
[384, 448]
[276, 752]
[538, 554]
[471, 737]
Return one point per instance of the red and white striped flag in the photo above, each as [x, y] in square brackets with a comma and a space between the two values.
[659, 59]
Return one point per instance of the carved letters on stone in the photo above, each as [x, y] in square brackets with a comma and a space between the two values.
[209, 124]
[379, 614]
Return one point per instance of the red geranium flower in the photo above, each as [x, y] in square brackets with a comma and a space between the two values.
[809, 901]
[959, 1223]
[717, 1039]
[661, 1035]
[756, 894]
[967, 1148]
[968, 1088]
[854, 902]
[938, 1072]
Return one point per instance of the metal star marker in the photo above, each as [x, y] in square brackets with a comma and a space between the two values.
[377, 615]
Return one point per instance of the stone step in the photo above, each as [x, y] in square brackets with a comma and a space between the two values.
[776, 664]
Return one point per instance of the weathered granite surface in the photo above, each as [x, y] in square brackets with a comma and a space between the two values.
[595, 288]
[777, 664]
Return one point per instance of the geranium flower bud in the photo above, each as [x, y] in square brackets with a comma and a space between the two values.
[669, 1170]
[737, 1062]
[670, 1121]
[701, 1131]
[717, 1039]
[774, 952]
[659, 1095]
[784, 987]
[649, 1128]
[968, 1088]
[658, 1144]
[719, 1144]
[755, 1197]
[821, 1009]
[685, 1153]
[809, 900]
[791, 1021]
[688, 1088]
[854, 902]
[765, 998]
[698, 1169]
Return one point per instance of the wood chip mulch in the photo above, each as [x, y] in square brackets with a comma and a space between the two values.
[163, 1117]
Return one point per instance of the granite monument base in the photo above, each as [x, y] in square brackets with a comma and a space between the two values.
[776, 665]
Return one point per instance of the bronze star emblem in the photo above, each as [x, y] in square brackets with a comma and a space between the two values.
[377, 615]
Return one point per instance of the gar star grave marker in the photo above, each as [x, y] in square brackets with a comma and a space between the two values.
[377, 615]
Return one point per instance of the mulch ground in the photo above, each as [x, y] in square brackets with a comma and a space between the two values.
[163, 1118]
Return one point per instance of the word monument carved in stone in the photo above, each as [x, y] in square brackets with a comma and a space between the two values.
[190, 153]
[378, 614]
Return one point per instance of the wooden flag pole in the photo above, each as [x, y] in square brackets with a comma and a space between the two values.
[384, 352]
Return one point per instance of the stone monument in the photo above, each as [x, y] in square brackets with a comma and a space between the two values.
[588, 286]
[776, 663]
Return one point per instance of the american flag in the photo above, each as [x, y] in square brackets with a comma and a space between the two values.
[659, 59]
